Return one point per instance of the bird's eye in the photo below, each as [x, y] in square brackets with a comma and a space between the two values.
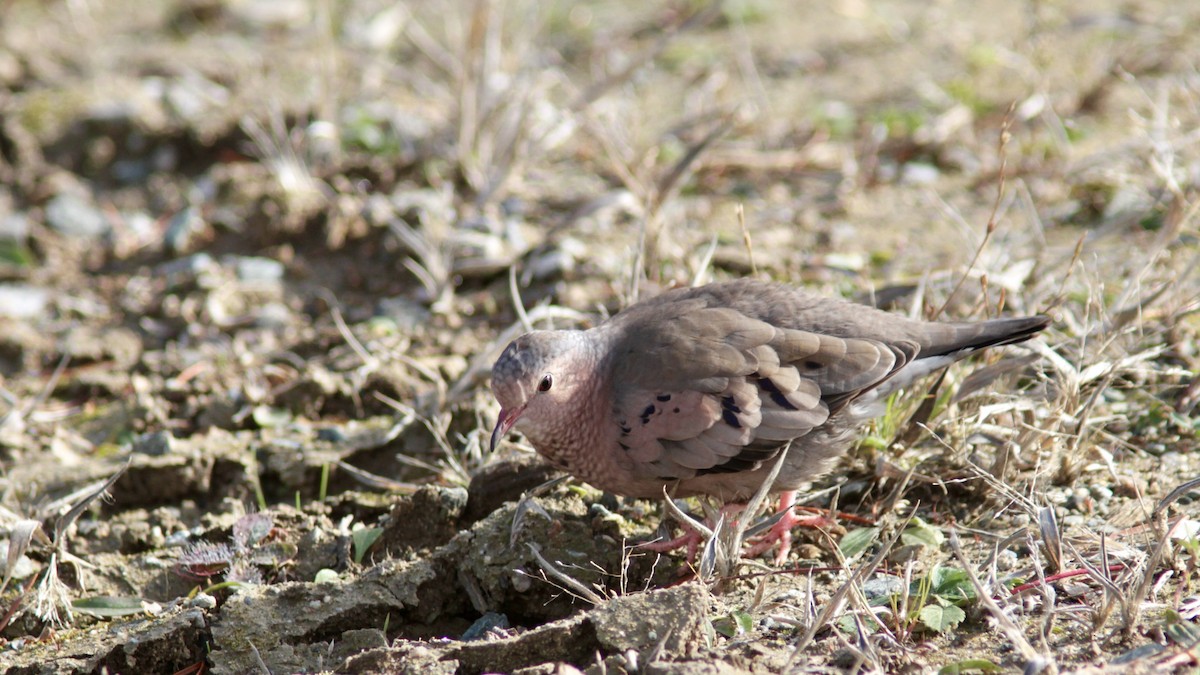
[546, 383]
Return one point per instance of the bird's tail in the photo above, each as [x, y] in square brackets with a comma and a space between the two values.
[960, 339]
[953, 341]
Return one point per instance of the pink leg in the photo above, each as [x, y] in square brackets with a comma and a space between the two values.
[781, 531]
[690, 538]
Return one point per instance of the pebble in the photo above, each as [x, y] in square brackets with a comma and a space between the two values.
[184, 229]
[21, 301]
[14, 227]
[155, 444]
[76, 216]
[485, 625]
[917, 173]
[882, 586]
[203, 601]
[255, 268]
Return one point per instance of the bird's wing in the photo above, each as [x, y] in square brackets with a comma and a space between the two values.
[710, 390]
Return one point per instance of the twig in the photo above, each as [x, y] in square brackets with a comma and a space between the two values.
[991, 224]
[741, 216]
[572, 585]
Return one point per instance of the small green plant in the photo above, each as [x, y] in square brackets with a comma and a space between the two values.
[933, 602]
[363, 538]
[734, 624]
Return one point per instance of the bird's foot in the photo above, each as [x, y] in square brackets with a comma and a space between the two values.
[781, 531]
[691, 538]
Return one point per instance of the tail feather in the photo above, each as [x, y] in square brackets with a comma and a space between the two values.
[945, 347]
[962, 338]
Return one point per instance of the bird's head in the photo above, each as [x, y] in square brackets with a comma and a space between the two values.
[535, 379]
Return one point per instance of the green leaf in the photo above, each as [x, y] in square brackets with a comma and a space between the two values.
[873, 442]
[921, 533]
[725, 626]
[857, 541]
[744, 621]
[363, 539]
[15, 253]
[941, 619]
[952, 584]
[108, 606]
[737, 623]
[969, 666]
[849, 626]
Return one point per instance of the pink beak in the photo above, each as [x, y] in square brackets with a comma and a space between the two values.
[504, 424]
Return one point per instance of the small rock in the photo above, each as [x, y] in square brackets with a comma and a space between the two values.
[14, 227]
[191, 269]
[20, 301]
[273, 315]
[484, 625]
[917, 173]
[882, 586]
[138, 228]
[203, 601]
[155, 444]
[254, 268]
[185, 229]
[678, 617]
[76, 216]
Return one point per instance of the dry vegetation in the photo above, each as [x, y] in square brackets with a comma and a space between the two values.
[257, 257]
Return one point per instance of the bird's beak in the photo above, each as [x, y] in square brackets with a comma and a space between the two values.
[504, 423]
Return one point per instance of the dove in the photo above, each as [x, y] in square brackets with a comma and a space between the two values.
[697, 390]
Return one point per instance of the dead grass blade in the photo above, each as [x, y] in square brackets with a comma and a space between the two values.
[64, 522]
[19, 537]
[569, 584]
[376, 481]
[1035, 662]
[1176, 494]
[838, 600]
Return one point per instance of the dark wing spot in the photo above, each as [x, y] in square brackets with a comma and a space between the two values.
[734, 465]
[663, 397]
[677, 410]
[647, 413]
[777, 396]
[730, 405]
[731, 419]
[747, 460]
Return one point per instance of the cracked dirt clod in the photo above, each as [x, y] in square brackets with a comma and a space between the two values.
[426, 598]
[137, 645]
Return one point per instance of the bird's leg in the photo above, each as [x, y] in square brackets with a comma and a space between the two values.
[781, 531]
[691, 538]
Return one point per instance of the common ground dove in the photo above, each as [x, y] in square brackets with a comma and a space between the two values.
[698, 389]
